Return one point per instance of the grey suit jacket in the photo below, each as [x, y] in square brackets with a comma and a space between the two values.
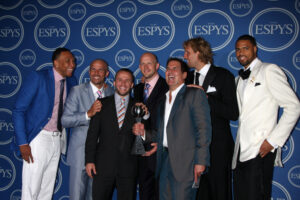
[188, 133]
[79, 101]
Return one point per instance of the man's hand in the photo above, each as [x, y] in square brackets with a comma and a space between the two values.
[144, 107]
[96, 107]
[152, 151]
[265, 148]
[198, 170]
[138, 129]
[26, 153]
[90, 169]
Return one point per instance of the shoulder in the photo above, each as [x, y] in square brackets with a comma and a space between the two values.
[222, 71]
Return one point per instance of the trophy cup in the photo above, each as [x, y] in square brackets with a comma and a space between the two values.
[138, 147]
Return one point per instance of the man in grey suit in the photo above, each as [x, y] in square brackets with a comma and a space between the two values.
[81, 105]
[183, 134]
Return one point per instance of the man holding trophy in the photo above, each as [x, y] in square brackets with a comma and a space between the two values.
[108, 149]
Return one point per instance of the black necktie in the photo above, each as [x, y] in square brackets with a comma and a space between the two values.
[244, 74]
[60, 105]
[197, 78]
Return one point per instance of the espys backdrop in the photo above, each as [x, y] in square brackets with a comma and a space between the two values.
[120, 31]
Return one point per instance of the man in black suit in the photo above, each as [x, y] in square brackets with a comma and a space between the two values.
[109, 142]
[219, 86]
[150, 92]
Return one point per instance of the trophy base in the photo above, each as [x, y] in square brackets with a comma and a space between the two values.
[138, 147]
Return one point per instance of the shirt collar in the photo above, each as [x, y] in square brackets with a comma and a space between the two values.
[153, 81]
[95, 89]
[57, 76]
[175, 92]
[203, 71]
[252, 64]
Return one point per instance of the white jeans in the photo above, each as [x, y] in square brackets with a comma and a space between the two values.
[38, 178]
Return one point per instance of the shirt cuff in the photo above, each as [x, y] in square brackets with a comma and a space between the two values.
[145, 117]
[86, 116]
[275, 146]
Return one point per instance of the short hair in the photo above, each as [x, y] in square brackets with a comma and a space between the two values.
[100, 59]
[250, 38]
[126, 70]
[58, 51]
[202, 46]
[183, 65]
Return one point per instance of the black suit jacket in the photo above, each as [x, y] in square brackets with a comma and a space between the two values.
[108, 146]
[152, 102]
[223, 108]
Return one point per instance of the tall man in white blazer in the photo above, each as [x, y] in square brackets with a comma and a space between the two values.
[262, 89]
[81, 105]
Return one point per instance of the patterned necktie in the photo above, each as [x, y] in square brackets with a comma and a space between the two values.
[146, 92]
[100, 94]
[60, 105]
[121, 113]
[197, 78]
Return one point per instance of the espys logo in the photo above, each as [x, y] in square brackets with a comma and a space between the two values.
[11, 33]
[10, 79]
[297, 5]
[79, 56]
[7, 173]
[77, 11]
[181, 8]
[240, 8]
[153, 31]
[100, 32]
[126, 10]
[209, 1]
[6, 127]
[124, 58]
[233, 61]
[96, 3]
[274, 23]
[177, 53]
[45, 65]
[279, 192]
[58, 181]
[214, 25]
[16, 195]
[138, 75]
[296, 59]
[294, 176]
[287, 150]
[51, 31]
[150, 3]
[52, 3]
[27, 57]
[29, 13]
[85, 77]
[9, 5]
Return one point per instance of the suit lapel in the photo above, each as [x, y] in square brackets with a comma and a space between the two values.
[176, 103]
[89, 93]
[210, 76]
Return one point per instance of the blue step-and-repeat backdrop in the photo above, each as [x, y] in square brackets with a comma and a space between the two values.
[120, 31]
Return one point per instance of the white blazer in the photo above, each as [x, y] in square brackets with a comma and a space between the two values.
[267, 89]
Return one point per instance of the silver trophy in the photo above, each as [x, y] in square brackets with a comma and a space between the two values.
[138, 147]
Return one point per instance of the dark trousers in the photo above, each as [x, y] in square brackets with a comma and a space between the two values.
[169, 187]
[252, 179]
[148, 184]
[103, 188]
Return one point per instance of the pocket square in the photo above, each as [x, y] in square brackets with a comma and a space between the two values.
[256, 84]
[211, 89]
